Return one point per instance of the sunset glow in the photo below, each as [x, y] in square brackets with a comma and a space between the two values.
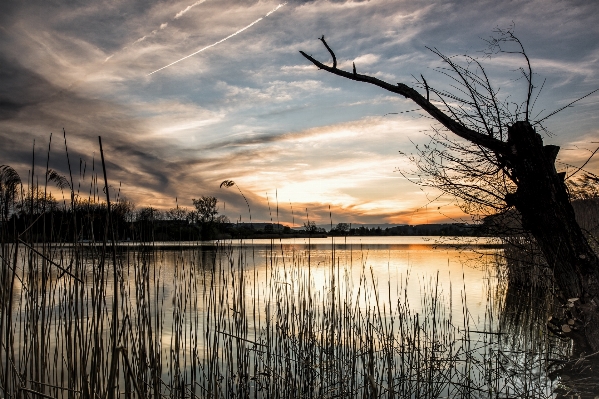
[187, 94]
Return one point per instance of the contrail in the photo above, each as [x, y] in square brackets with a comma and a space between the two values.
[220, 41]
[180, 13]
[155, 31]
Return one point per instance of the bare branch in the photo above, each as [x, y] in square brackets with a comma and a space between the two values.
[564, 107]
[584, 164]
[529, 77]
[425, 86]
[332, 54]
[472, 91]
[408, 92]
[493, 96]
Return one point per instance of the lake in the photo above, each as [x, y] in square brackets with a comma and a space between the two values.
[324, 317]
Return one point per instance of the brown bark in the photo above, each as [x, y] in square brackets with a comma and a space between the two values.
[541, 198]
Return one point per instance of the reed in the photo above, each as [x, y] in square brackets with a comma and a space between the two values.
[210, 322]
[225, 321]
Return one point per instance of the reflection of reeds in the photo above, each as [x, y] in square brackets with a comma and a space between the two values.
[321, 344]
[221, 326]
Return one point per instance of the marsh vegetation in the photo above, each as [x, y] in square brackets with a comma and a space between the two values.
[322, 318]
[418, 317]
[270, 319]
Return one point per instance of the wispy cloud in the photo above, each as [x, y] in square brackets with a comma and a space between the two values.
[141, 39]
[259, 113]
[163, 26]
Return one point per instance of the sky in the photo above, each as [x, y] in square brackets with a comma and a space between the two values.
[187, 94]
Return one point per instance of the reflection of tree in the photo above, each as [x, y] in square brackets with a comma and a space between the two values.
[522, 354]
[522, 310]
[209, 257]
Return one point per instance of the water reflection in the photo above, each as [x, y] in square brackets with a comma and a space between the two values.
[416, 316]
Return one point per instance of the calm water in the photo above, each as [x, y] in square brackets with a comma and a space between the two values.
[393, 265]
[195, 308]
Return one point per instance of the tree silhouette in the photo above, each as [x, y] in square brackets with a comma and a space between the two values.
[206, 213]
[503, 164]
[206, 209]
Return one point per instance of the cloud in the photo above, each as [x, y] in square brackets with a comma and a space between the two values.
[132, 158]
[256, 111]
[141, 39]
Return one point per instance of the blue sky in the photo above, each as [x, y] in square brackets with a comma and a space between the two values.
[251, 109]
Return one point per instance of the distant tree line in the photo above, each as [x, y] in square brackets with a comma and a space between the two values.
[36, 215]
[44, 218]
[453, 229]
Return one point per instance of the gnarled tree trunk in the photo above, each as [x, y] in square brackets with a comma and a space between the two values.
[543, 203]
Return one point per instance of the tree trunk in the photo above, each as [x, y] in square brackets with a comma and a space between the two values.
[542, 200]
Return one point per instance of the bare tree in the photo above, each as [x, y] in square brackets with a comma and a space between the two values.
[310, 227]
[148, 214]
[342, 228]
[178, 214]
[498, 160]
[206, 209]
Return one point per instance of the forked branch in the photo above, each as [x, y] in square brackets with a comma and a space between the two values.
[332, 53]
[455, 127]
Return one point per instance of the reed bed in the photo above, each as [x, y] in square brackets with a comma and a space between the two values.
[224, 322]
[99, 320]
